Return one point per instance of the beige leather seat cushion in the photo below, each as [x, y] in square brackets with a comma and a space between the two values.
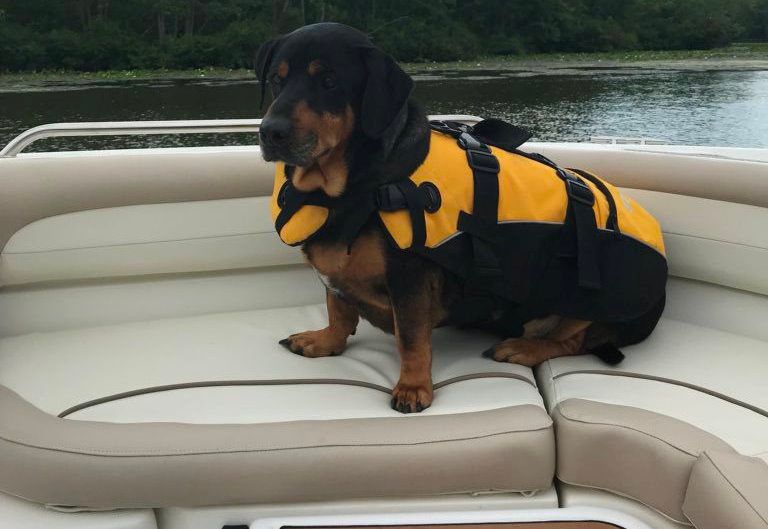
[728, 491]
[145, 403]
[638, 429]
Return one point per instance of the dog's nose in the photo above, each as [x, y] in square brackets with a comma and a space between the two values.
[275, 130]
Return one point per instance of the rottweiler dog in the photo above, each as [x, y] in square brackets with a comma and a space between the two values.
[343, 122]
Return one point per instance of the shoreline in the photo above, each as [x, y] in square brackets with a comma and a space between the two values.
[752, 57]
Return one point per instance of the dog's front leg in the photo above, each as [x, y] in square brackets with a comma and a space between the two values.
[412, 304]
[342, 321]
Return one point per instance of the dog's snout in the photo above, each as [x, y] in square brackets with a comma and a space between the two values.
[275, 130]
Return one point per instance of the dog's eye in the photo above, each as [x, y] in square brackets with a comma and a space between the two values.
[328, 82]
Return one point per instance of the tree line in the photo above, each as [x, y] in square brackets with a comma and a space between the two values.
[92, 35]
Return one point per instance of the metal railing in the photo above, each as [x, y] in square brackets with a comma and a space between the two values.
[143, 128]
[621, 140]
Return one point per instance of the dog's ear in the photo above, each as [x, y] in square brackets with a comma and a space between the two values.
[386, 93]
[263, 61]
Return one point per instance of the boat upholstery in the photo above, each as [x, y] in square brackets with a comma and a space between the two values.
[210, 410]
[143, 293]
[739, 485]
[639, 428]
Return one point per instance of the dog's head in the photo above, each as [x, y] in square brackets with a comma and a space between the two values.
[329, 84]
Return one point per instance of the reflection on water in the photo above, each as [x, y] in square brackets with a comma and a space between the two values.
[696, 108]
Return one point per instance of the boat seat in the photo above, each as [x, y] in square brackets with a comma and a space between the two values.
[210, 410]
[638, 429]
[739, 485]
[697, 384]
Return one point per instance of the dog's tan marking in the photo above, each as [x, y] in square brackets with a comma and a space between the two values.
[356, 273]
[330, 171]
[342, 322]
[413, 392]
[415, 316]
[282, 70]
[541, 327]
[566, 339]
[314, 67]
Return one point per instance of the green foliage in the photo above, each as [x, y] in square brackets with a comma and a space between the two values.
[92, 35]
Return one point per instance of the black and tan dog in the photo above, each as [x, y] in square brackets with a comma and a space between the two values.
[342, 122]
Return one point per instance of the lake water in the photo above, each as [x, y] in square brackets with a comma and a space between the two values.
[725, 108]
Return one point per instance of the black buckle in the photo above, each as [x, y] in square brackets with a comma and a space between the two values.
[390, 198]
[482, 161]
[452, 128]
[579, 191]
[468, 142]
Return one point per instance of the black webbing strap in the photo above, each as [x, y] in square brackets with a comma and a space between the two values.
[580, 230]
[482, 227]
[612, 222]
[415, 204]
[405, 195]
[290, 201]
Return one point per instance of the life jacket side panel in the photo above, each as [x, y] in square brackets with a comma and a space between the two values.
[304, 223]
[538, 279]
[529, 191]
[635, 221]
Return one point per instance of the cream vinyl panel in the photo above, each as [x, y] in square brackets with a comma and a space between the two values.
[45, 308]
[743, 181]
[730, 248]
[243, 346]
[42, 186]
[19, 514]
[148, 239]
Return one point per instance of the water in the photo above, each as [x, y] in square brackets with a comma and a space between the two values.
[725, 108]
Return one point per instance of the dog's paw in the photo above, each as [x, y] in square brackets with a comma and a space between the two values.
[517, 351]
[411, 398]
[314, 344]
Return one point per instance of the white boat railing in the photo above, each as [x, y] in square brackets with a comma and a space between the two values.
[143, 128]
[621, 140]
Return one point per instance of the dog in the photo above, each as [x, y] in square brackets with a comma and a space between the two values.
[343, 123]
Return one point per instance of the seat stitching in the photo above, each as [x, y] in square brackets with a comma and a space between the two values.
[734, 487]
[139, 243]
[665, 380]
[623, 495]
[220, 383]
[214, 451]
[273, 382]
[745, 245]
[603, 423]
[488, 374]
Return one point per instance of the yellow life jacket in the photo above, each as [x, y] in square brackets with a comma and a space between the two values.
[567, 228]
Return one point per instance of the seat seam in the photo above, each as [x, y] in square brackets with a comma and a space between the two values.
[745, 245]
[485, 374]
[598, 423]
[623, 495]
[215, 451]
[734, 487]
[670, 381]
[136, 243]
[273, 382]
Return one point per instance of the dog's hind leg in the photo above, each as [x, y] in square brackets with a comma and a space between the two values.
[342, 321]
[567, 338]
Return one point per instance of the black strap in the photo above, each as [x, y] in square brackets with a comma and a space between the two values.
[415, 204]
[612, 222]
[580, 230]
[501, 134]
[290, 201]
[482, 227]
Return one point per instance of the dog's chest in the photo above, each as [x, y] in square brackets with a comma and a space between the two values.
[358, 276]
